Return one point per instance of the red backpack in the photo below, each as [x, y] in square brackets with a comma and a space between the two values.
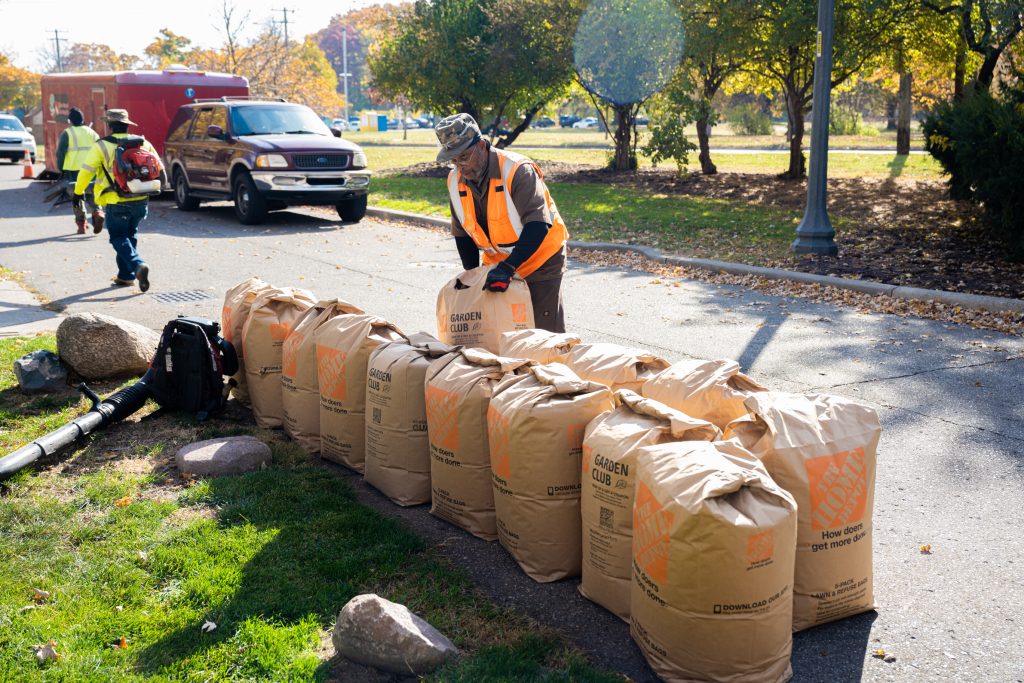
[136, 171]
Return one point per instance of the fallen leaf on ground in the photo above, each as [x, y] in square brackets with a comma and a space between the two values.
[143, 555]
[879, 654]
[119, 608]
[926, 549]
[26, 608]
[46, 652]
[208, 626]
[40, 595]
[121, 644]
[123, 502]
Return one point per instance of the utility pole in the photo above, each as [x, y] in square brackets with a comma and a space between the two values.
[815, 234]
[344, 67]
[284, 11]
[56, 45]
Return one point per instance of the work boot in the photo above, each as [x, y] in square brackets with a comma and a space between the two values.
[142, 275]
[97, 222]
[81, 226]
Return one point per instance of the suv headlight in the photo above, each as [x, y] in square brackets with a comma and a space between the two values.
[359, 160]
[271, 161]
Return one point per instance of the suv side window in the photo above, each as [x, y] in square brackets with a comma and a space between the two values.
[219, 118]
[203, 119]
[178, 131]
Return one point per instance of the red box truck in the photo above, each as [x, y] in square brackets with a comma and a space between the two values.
[151, 98]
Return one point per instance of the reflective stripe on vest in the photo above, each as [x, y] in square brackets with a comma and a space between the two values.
[79, 144]
[504, 224]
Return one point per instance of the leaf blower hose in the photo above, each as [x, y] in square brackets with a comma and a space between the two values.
[104, 412]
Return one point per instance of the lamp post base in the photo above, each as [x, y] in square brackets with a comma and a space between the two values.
[821, 245]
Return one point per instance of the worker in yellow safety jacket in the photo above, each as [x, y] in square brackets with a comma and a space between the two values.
[74, 143]
[123, 214]
[501, 208]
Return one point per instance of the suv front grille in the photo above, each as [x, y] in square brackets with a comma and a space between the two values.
[327, 161]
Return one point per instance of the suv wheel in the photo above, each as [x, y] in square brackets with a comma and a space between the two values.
[250, 206]
[182, 197]
[352, 210]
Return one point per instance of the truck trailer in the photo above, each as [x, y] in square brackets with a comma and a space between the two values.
[151, 98]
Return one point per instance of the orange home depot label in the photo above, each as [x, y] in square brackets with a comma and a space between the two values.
[760, 547]
[497, 436]
[290, 354]
[519, 313]
[442, 418]
[838, 488]
[279, 331]
[651, 524]
[588, 457]
[225, 323]
[574, 434]
[330, 367]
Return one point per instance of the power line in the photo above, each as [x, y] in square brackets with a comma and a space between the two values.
[56, 44]
[284, 11]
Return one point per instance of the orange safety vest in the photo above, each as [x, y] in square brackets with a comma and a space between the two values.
[504, 225]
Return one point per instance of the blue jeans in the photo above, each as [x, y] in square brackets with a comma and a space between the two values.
[122, 226]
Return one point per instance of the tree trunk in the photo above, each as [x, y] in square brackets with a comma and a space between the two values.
[903, 124]
[707, 167]
[797, 161]
[624, 160]
[959, 69]
[891, 104]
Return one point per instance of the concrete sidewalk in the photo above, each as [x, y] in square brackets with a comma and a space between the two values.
[21, 314]
[951, 459]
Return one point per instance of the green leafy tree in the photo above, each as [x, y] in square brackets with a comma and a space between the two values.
[86, 57]
[625, 52]
[493, 59]
[168, 48]
[355, 32]
[783, 54]
[987, 28]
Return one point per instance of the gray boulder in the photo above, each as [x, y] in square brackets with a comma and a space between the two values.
[218, 457]
[385, 635]
[40, 371]
[100, 347]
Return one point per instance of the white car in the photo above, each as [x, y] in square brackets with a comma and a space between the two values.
[589, 122]
[15, 139]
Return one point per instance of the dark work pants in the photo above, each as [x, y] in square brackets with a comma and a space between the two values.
[547, 304]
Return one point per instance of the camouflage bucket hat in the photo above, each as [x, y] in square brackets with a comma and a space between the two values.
[118, 116]
[456, 134]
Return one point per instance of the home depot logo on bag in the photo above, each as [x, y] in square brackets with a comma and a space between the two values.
[279, 332]
[651, 525]
[519, 315]
[838, 488]
[760, 549]
[331, 372]
[497, 435]
[226, 323]
[443, 418]
[290, 353]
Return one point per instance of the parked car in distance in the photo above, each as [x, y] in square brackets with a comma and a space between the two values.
[567, 121]
[642, 121]
[263, 156]
[543, 122]
[589, 122]
[353, 123]
[15, 139]
[340, 124]
[423, 122]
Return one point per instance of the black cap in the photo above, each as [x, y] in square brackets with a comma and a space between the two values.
[75, 116]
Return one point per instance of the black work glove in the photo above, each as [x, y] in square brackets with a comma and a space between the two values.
[499, 277]
[78, 199]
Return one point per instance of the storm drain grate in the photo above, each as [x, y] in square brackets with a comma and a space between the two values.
[180, 297]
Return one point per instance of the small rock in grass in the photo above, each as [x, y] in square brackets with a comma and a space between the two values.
[385, 635]
[219, 457]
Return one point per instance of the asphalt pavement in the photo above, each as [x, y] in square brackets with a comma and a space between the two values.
[951, 459]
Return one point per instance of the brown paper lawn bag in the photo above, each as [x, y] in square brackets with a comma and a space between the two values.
[458, 394]
[469, 316]
[608, 482]
[397, 448]
[343, 347]
[540, 346]
[713, 548]
[237, 303]
[823, 450]
[615, 366]
[300, 387]
[269, 323]
[535, 428]
[712, 390]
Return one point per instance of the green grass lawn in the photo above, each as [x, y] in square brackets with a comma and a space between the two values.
[129, 550]
[696, 226]
[840, 165]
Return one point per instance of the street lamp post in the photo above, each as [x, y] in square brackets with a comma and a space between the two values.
[814, 234]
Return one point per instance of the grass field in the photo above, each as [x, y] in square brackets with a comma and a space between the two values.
[136, 560]
[846, 165]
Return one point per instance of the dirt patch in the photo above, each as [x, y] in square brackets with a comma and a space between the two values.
[896, 231]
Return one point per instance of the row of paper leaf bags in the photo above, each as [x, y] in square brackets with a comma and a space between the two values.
[716, 516]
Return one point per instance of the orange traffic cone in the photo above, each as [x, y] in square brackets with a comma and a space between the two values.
[27, 172]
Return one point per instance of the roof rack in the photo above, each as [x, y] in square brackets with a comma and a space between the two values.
[226, 98]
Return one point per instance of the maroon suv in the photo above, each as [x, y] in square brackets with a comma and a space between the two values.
[262, 155]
